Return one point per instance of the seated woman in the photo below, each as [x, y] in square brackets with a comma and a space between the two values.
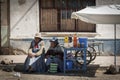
[35, 59]
[55, 54]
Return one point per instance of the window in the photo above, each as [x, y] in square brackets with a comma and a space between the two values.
[55, 16]
[66, 14]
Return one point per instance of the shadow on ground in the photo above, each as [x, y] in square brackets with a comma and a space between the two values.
[90, 72]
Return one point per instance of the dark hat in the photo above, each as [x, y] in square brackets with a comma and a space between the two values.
[54, 39]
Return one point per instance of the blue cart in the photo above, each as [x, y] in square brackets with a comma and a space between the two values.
[70, 60]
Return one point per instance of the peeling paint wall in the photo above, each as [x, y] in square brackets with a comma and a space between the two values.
[24, 19]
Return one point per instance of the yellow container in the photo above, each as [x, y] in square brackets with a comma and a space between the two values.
[66, 39]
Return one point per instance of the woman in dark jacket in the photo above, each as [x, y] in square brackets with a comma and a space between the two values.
[55, 54]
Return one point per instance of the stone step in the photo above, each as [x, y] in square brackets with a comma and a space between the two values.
[8, 68]
[12, 67]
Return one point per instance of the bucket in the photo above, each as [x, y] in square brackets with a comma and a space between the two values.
[83, 42]
[53, 67]
[69, 64]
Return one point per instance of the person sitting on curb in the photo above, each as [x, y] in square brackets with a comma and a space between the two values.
[35, 59]
[55, 54]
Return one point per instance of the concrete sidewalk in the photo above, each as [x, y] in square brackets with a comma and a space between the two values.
[103, 61]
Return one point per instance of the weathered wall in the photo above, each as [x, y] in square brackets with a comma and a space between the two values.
[24, 18]
[105, 2]
[25, 22]
[4, 24]
[106, 49]
[107, 31]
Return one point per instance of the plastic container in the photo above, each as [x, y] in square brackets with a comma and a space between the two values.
[53, 67]
[69, 64]
[70, 39]
[83, 42]
[74, 41]
[66, 39]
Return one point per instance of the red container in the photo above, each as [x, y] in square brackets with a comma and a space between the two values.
[74, 41]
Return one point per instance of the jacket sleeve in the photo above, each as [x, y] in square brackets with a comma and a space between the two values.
[50, 52]
[30, 51]
[41, 49]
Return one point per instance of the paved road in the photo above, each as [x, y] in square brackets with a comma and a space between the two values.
[60, 76]
[101, 60]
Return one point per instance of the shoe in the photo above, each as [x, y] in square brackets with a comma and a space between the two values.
[30, 69]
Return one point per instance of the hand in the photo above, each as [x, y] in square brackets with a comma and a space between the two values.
[31, 55]
[47, 56]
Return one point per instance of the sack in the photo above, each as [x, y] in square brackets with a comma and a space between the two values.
[111, 70]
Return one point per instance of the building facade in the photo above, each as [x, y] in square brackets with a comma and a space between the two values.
[21, 19]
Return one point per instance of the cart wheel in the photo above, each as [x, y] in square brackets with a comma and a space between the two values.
[93, 52]
[79, 57]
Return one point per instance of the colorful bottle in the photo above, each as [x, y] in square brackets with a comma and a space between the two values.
[75, 40]
[66, 39]
[70, 41]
